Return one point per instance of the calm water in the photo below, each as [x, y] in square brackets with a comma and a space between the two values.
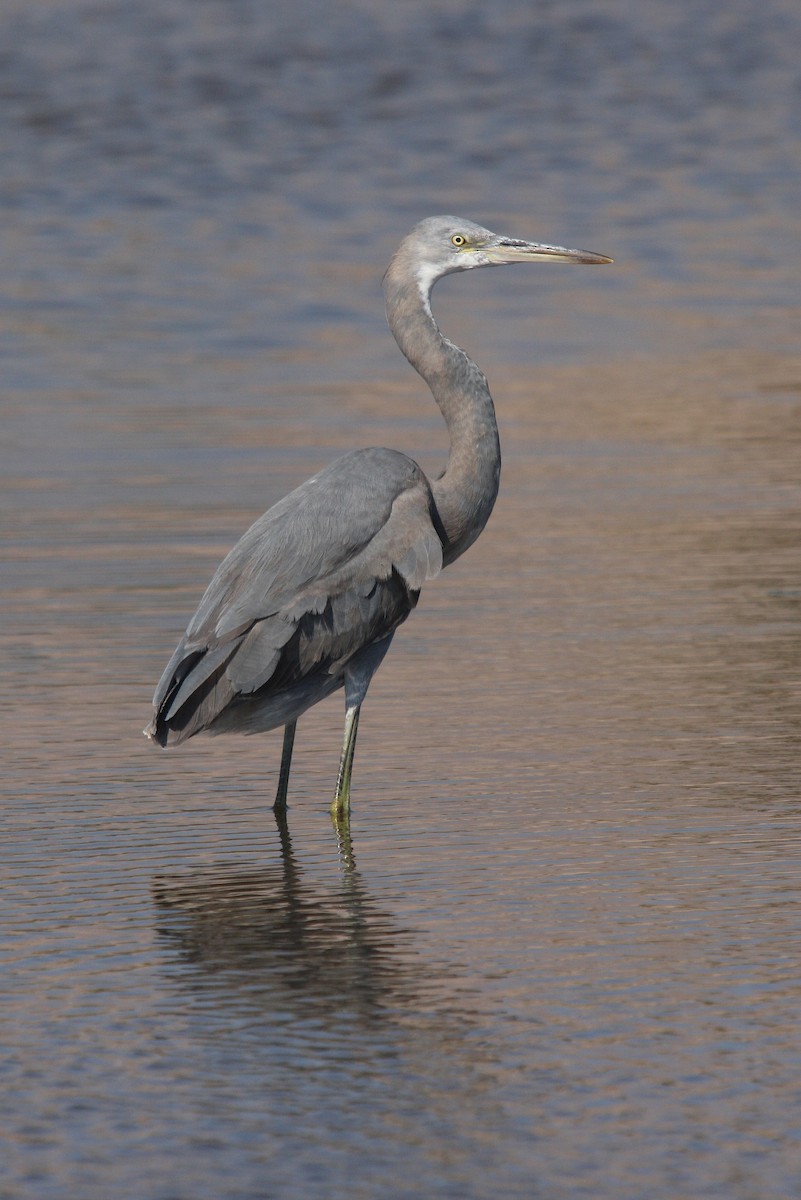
[559, 958]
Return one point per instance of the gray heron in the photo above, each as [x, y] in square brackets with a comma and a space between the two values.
[309, 599]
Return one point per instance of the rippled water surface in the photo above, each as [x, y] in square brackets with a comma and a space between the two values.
[558, 956]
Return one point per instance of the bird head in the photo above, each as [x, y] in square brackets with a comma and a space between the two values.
[439, 246]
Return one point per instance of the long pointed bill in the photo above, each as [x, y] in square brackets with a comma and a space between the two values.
[508, 250]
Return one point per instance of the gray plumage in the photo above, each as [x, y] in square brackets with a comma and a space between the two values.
[309, 599]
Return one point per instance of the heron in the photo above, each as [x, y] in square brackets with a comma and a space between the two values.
[309, 599]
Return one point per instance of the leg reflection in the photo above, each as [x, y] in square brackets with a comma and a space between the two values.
[341, 824]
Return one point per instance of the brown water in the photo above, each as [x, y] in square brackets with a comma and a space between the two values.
[560, 956]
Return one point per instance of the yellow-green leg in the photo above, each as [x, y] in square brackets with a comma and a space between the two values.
[358, 674]
[286, 763]
[340, 807]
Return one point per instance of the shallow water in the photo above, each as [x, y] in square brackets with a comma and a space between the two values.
[560, 956]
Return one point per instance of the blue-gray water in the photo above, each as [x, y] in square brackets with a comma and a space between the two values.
[560, 958]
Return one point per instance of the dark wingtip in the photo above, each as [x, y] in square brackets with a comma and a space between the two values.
[156, 734]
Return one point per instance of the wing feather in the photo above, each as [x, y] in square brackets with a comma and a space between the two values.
[334, 566]
[202, 670]
[258, 654]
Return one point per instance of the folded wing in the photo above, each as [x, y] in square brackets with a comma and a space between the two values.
[334, 566]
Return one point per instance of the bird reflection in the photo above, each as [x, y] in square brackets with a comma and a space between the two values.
[281, 940]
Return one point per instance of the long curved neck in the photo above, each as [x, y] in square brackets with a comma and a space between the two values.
[466, 491]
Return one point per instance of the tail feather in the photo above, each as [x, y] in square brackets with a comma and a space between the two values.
[188, 702]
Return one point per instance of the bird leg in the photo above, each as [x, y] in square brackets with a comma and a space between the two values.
[358, 673]
[286, 763]
[340, 806]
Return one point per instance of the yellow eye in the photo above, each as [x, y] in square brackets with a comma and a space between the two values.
[458, 239]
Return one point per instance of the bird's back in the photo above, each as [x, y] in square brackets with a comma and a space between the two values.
[332, 567]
